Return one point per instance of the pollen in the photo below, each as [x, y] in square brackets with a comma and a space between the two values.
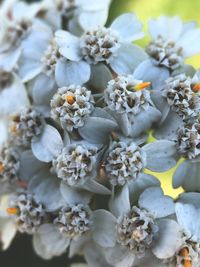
[185, 254]
[12, 211]
[70, 99]
[13, 129]
[196, 87]
[141, 86]
[2, 167]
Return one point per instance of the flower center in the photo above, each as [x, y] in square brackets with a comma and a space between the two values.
[165, 53]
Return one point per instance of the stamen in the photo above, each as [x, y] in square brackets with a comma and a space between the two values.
[13, 129]
[141, 86]
[70, 99]
[196, 87]
[12, 211]
[185, 254]
[2, 167]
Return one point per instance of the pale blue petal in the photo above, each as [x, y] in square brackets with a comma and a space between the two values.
[153, 200]
[48, 145]
[128, 27]
[127, 58]
[104, 228]
[190, 198]
[72, 72]
[161, 155]
[189, 42]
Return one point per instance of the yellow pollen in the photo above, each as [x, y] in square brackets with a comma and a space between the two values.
[12, 211]
[70, 99]
[185, 253]
[196, 87]
[141, 86]
[2, 167]
[13, 129]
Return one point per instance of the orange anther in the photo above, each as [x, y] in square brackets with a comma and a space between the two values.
[12, 211]
[2, 167]
[196, 87]
[141, 86]
[70, 99]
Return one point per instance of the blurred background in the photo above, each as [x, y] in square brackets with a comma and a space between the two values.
[20, 254]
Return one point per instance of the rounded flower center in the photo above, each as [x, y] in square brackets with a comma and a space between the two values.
[136, 230]
[25, 125]
[9, 164]
[180, 96]
[71, 106]
[28, 214]
[99, 45]
[76, 164]
[165, 53]
[124, 162]
[189, 140]
[73, 221]
[125, 94]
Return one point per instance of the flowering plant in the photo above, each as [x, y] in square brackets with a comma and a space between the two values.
[78, 100]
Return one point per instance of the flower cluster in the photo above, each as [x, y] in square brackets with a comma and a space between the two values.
[78, 103]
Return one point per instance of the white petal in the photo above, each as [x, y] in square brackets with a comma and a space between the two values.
[128, 27]
[92, 20]
[120, 204]
[49, 242]
[7, 232]
[188, 218]
[67, 73]
[169, 239]
[69, 45]
[127, 58]
[169, 28]
[104, 228]
[189, 42]
[48, 145]
[153, 200]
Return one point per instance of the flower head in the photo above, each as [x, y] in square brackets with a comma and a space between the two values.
[71, 105]
[25, 126]
[76, 164]
[124, 162]
[9, 164]
[136, 230]
[188, 141]
[125, 95]
[180, 96]
[28, 214]
[74, 221]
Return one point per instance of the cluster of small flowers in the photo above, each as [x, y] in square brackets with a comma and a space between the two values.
[78, 101]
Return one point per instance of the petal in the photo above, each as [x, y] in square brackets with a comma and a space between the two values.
[169, 239]
[190, 198]
[96, 130]
[67, 73]
[119, 256]
[104, 228]
[43, 88]
[13, 98]
[120, 204]
[169, 28]
[7, 232]
[46, 189]
[8, 60]
[48, 145]
[187, 175]
[189, 42]
[95, 187]
[147, 71]
[49, 242]
[137, 186]
[69, 45]
[27, 159]
[74, 195]
[153, 200]
[161, 155]
[128, 27]
[149, 116]
[94, 256]
[188, 218]
[92, 20]
[100, 76]
[168, 128]
[127, 58]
